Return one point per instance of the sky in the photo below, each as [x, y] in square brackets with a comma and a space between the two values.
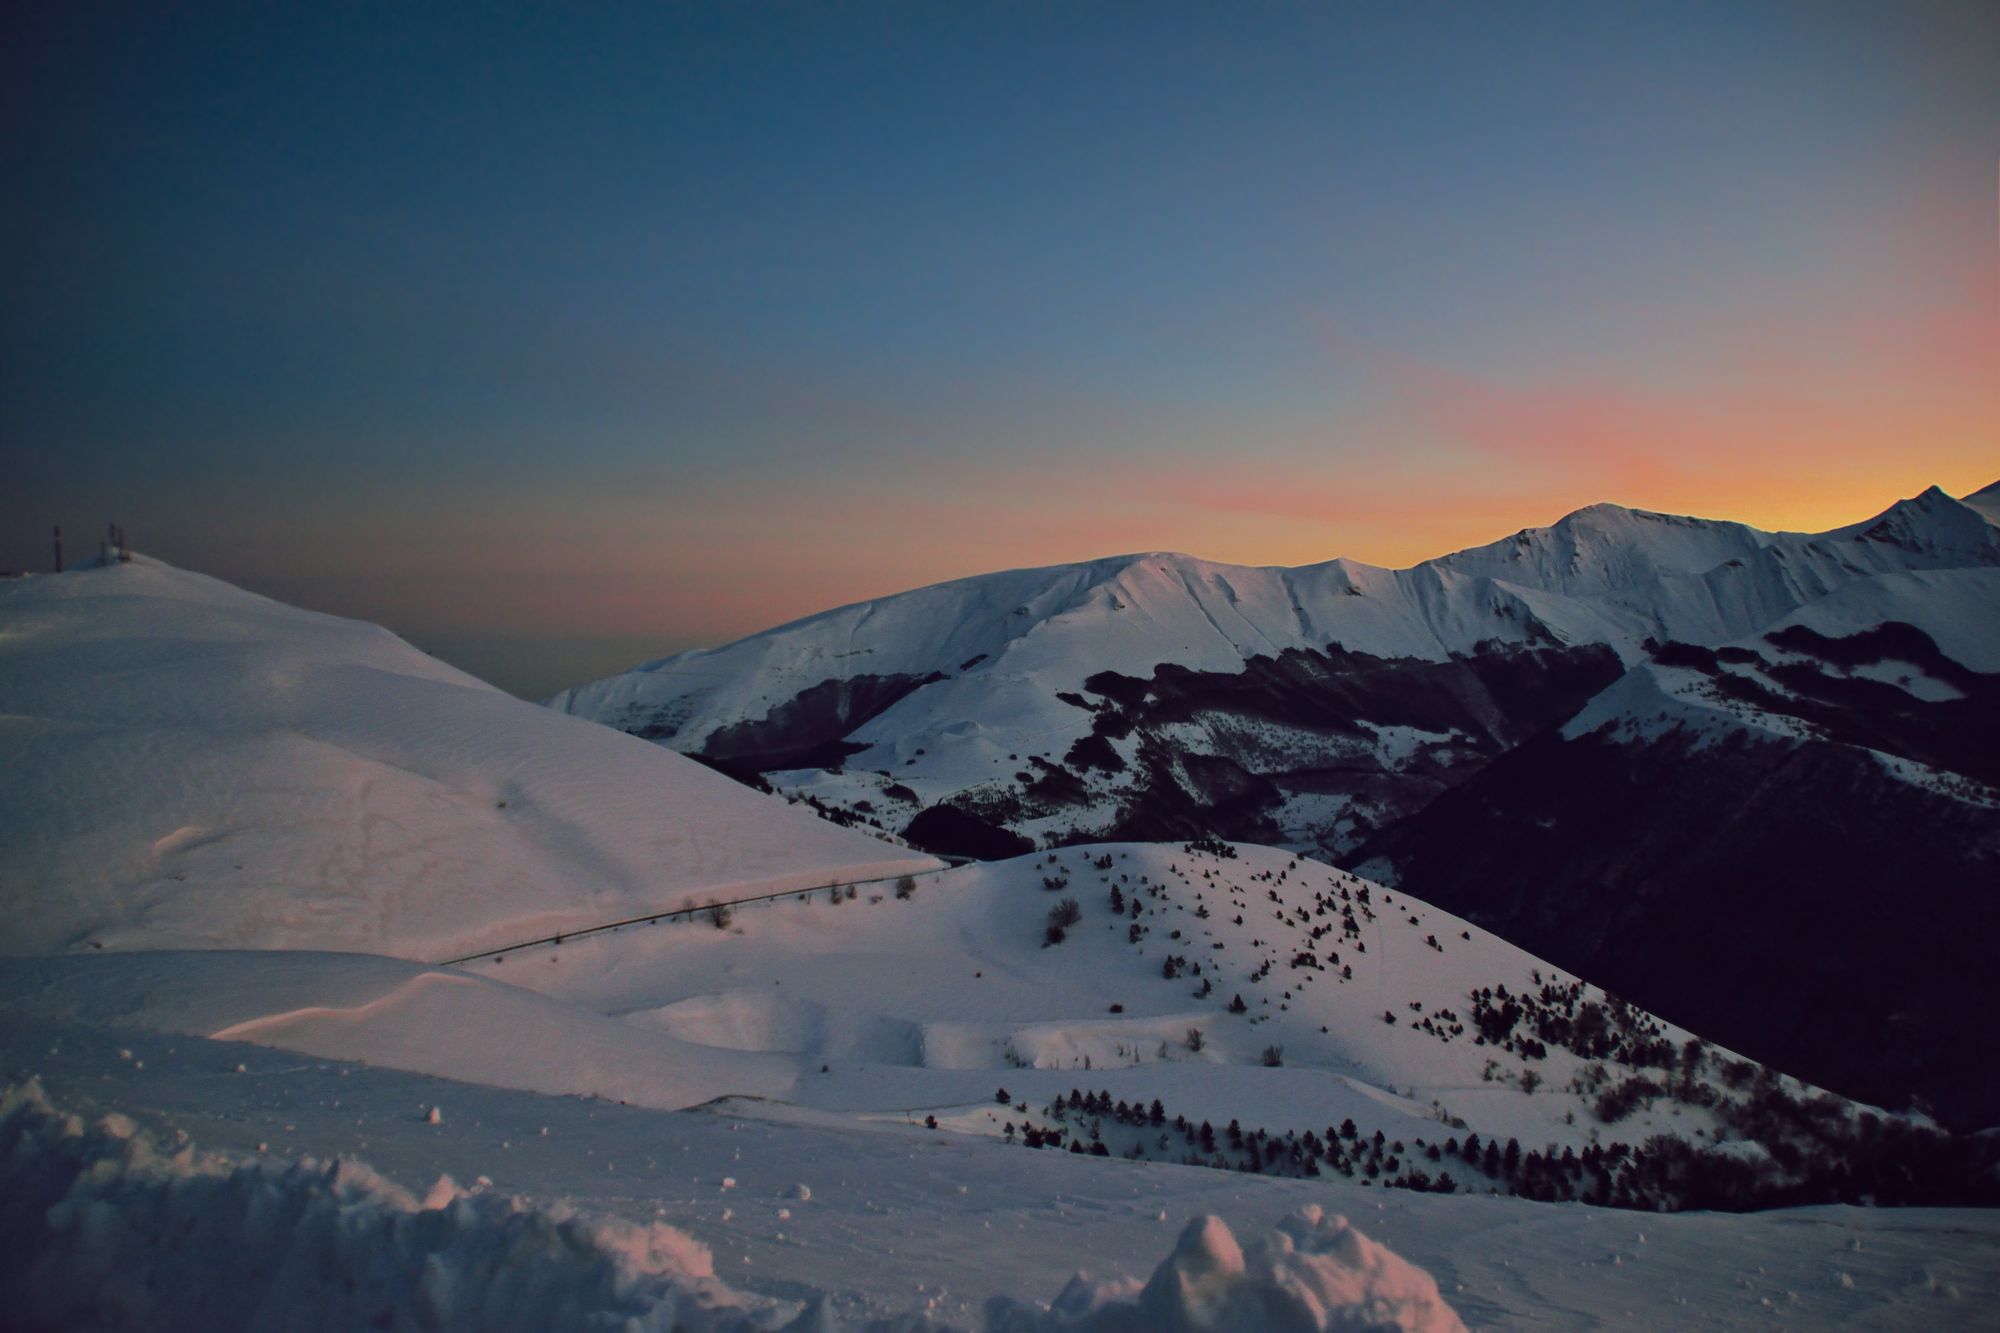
[560, 337]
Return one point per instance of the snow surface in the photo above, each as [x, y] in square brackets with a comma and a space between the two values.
[675, 1125]
[390, 1013]
[1987, 501]
[111, 1226]
[1313, 1272]
[108, 1227]
[882, 1009]
[190, 765]
[909, 1008]
[901, 1224]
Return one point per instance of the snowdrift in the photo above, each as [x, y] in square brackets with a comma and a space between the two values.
[1312, 1273]
[107, 1225]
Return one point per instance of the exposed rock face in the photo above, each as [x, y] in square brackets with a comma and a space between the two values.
[806, 730]
[1229, 753]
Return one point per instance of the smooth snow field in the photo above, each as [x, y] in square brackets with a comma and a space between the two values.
[239, 1089]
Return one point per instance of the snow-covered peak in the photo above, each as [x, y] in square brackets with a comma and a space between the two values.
[1606, 547]
[1930, 530]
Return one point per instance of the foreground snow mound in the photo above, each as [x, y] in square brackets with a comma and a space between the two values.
[186, 765]
[1315, 1272]
[105, 1227]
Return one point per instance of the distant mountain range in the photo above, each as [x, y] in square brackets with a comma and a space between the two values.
[1744, 777]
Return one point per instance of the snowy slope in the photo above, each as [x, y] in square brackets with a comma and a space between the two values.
[389, 1013]
[840, 1201]
[1987, 501]
[1768, 805]
[1407, 680]
[1958, 610]
[186, 764]
[894, 1010]
[1230, 985]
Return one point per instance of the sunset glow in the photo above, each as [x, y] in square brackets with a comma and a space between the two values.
[510, 330]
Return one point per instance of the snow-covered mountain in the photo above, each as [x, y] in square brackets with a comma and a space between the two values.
[190, 765]
[843, 1106]
[1790, 842]
[1160, 695]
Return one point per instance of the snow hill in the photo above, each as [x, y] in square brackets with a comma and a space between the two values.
[190, 765]
[1159, 695]
[1220, 1006]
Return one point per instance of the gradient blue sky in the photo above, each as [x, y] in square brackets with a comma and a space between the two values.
[558, 336]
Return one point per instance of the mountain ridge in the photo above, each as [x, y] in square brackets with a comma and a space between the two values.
[948, 692]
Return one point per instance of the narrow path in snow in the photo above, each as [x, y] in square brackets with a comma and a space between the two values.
[689, 913]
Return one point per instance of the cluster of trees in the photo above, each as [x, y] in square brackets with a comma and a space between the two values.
[1815, 1152]
[1080, 1121]
[1608, 1029]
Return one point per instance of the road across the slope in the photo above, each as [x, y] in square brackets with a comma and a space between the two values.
[692, 911]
